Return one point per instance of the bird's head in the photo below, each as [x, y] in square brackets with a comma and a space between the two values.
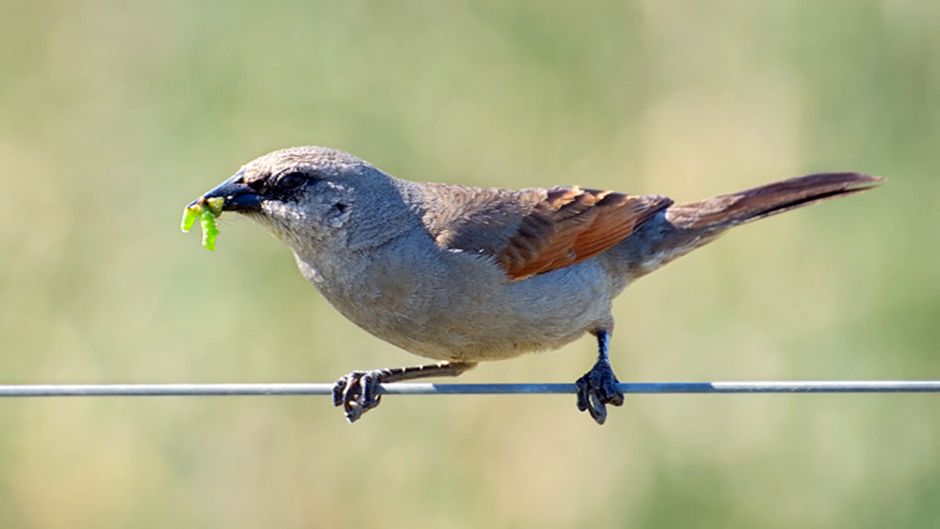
[308, 196]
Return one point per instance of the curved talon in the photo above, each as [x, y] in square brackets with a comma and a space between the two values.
[357, 393]
[597, 388]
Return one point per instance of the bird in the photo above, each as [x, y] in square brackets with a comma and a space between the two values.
[463, 275]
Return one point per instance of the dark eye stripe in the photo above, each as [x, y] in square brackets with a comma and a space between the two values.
[290, 180]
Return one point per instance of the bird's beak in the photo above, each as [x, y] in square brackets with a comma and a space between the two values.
[237, 196]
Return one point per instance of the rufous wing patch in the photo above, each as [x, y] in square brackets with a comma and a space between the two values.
[572, 224]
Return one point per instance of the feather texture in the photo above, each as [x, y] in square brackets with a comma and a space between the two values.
[533, 231]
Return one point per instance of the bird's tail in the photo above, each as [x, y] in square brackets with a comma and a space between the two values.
[683, 227]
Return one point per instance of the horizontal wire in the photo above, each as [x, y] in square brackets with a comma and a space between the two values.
[221, 390]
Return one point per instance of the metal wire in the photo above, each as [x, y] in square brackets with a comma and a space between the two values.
[224, 390]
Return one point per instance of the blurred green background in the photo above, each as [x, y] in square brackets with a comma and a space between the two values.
[113, 115]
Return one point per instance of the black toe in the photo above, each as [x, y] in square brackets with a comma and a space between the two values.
[357, 393]
[597, 388]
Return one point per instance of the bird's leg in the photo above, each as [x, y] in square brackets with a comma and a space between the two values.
[599, 386]
[357, 392]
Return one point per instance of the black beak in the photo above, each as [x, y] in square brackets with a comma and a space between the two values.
[237, 195]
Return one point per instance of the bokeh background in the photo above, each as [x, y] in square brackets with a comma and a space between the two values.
[113, 115]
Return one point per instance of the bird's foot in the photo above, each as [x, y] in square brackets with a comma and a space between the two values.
[598, 388]
[358, 392]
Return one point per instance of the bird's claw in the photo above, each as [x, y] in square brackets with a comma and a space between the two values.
[357, 393]
[597, 388]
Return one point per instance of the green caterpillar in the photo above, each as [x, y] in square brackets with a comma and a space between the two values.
[206, 210]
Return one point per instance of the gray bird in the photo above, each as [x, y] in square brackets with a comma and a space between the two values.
[467, 274]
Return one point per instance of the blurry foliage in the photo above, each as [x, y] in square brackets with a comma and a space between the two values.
[116, 114]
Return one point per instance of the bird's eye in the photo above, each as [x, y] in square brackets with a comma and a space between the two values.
[290, 180]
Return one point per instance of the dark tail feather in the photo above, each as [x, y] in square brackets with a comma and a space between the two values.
[725, 211]
[685, 227]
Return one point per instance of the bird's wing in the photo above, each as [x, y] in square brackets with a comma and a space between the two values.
[533, 231]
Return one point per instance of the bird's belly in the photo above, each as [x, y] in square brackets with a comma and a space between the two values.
[487, 320]
[480, 340]
[462, 331]
[467, 310]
